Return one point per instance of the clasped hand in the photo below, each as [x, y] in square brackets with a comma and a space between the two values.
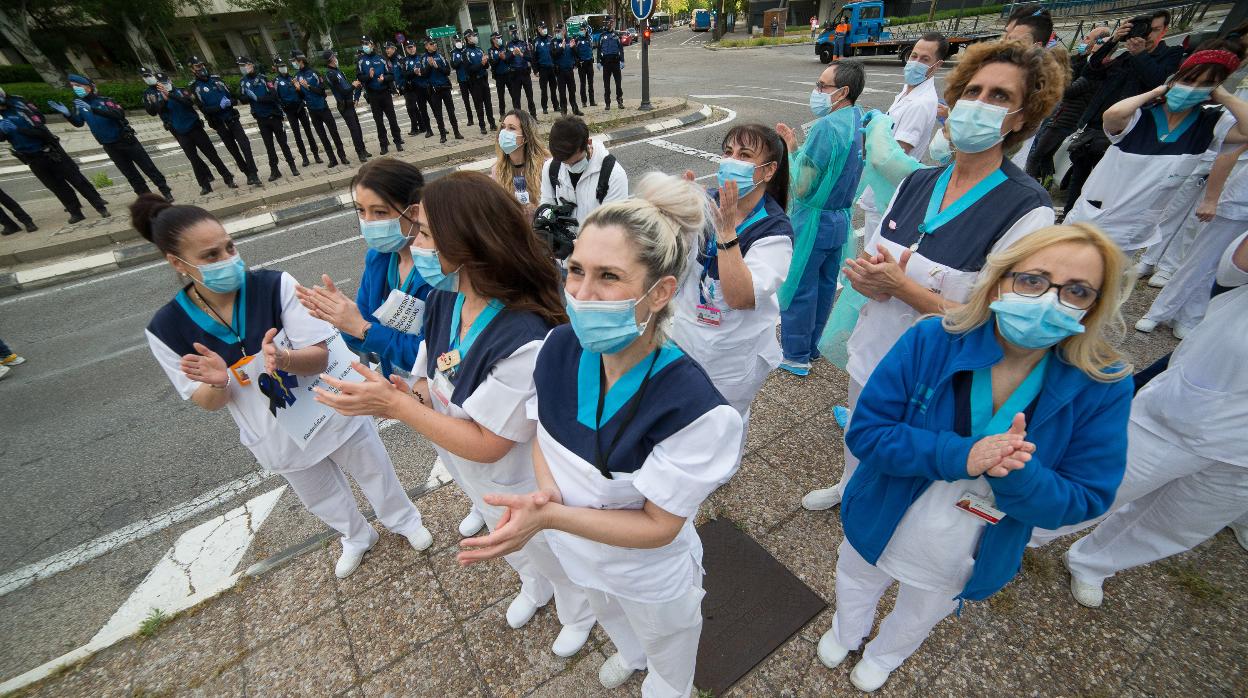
[522, 519]
[999, 454]
[877, 276]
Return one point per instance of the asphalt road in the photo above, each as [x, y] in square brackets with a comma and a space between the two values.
[95, 440]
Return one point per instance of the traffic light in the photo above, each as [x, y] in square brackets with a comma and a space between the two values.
[645, 35]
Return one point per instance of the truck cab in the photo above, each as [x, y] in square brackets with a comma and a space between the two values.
[866, 24]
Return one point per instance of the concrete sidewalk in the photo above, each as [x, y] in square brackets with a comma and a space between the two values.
[58, 251]
[411, 624]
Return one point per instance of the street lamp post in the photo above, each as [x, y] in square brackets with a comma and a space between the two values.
[645, 66]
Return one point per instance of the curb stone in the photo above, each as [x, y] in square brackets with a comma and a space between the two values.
[135, 252]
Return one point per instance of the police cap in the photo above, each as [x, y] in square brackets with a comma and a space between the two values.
[196, 60]
[409, 44]
[389, 44]
[278, 61]
[327, 54]
[365, 40]
[297, 55]
[429, 39]
[79, 79]
[244, 60]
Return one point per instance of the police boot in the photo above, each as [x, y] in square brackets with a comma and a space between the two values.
[275, 175]
[342, 157]
[385, 148]
[483, 131]
[607, 100]
[619, 103]
[577, 111]
[294, 172]
[429, 133]
[398, 145]
[229, 182]
[253, 179]
[103, 211]
[205, 189]
[30, 225]
[470, 119]
[443, 137]
[76, 217]
[167, 193]
[10, 228]
[317, 158]
[333, 161]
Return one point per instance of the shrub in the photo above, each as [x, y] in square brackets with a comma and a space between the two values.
[19, 73]
[127, 93]
[947, 14]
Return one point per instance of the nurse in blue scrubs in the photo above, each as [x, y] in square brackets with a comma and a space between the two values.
[495, 298]
[632, 437]
[227, 317]
[727, 306]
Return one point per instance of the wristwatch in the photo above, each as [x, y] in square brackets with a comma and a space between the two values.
[728, 245]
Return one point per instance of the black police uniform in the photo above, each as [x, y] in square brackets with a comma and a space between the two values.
[208, 91]
[107, 121]
[9, 227]
[585, 66]
[345, 97]
[461, 75]
[266, 109]
[499, 66]
[611, 58]
[312, 87]
[477, 64]
[176, 109]
[416, 89]
[373, 73]
[40, 150]
[563, 48]
[290, 95]
[545, 63]
[439, 72]
[521, 65]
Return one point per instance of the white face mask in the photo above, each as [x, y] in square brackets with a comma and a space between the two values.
[149, 81]
[580, 165]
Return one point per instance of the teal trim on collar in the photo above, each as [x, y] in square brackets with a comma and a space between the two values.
[488, 313]
[1161, 122]
[589, 386]
[936, 217]
[758, 214]
[984, 422]
[392, 275]
[209, 324]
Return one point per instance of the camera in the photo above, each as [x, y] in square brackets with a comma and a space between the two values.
[1140, 27]
[557, 225]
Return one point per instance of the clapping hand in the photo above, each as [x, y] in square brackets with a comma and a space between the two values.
[331, 305]
[790, 138]
[205, 366]
[376, 396]
[225, 103]
[81, 105]
[999, 454]
[522, 519]
[877, 276]
[58, 107]
[272, 353]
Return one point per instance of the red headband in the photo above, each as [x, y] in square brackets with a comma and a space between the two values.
[1220, 57]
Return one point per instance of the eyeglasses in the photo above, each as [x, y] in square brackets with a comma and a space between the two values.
[1077, 296]
[824, 87]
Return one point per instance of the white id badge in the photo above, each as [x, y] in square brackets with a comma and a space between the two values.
[709, 315]
[442, 389]
[402, 312]
[980, 507]
[522, 196]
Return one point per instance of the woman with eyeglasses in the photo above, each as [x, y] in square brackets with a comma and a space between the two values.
[632, 438]
[225, 322]
[496, 299]
[1007, 414]
[1156, 140]
[943, 222]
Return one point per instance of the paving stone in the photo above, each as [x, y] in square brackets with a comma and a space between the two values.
[442, 510]
[580, 679]
[193, 651]
[769, 418]
[811, 454]
[475, 587]
[442, 668]
[802, 395]
[514, 662]
[107, 674]
[1196, 647]
[313, 660]
[391, 554]
[401, 613]
[806, 544]
[758, 498]
[285, 598]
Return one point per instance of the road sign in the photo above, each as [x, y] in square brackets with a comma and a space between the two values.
[574, 28]
[641, 8]
[442, 32]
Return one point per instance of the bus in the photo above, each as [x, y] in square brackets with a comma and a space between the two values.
[701, 20]
[596, 23]
[661, 21]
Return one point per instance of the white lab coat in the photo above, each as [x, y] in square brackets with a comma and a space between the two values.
[585, 193]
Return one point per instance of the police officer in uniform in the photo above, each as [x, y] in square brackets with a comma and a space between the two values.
[439, 72]
[290, 94]
[611, 62]
[461, 76]
[563, 48]
[478, 66]
[501, 69]
[214, 99]
[585, 64]
[176, 110]
[107, 121]
[520, 62]
[373, 75]
[543, 53]
[312, 87]
[416, 83]
[346, 95]
[39, 149]
[261, 93]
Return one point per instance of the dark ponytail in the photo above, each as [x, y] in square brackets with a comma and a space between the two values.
[162, 223]
[760, 137]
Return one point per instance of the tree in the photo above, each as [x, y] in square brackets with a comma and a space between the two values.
[15, 25]
[138, 19]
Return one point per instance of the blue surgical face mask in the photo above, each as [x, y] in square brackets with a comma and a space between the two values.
[975, 126]
[1035, 323]
[225, 276]
[429, 265]
[385, 236]
[605, 327]
[739, 171]
[820, 103]
[79, 91]
[366, 48]
[939, 149]
[1182, 97]
[1081, 48]
[915, 73]
[507, 141]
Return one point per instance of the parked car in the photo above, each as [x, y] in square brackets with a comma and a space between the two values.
[630, 36]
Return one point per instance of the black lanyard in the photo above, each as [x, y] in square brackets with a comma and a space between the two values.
[601, 458]
[228, 325]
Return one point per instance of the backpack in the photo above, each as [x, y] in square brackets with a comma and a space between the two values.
[604, 176]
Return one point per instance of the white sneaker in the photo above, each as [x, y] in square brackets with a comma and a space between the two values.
[1159, 279]
[570, 641]
[13, 360]
[831, 653]
[1145, 325]
[867, 677]
[421, 539]
[472, 523]
[1143, 269]
[4, 370]
[1180, 331]
[614, 672]
[349, 562]
[818, 500]
[520, 611]
[1090, 595]
[1241, 535]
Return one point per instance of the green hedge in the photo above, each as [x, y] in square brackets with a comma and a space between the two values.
[19, 73]
[128, 93]
[947, 14]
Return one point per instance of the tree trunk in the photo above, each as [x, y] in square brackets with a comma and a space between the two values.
[323, 27]
[13, 26]
[138, 43]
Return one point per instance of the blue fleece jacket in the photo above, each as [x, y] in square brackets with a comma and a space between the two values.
[902, 432]
[396, 349]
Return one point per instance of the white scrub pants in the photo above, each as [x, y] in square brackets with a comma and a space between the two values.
[661, 638]
[1177, 501]
[851, 461]
[1178, 227]
[324, 490]
[859, 586]
[1184, 300]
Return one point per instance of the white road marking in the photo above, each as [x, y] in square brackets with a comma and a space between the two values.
[769, 99]
[199, 565]
[684, 149]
